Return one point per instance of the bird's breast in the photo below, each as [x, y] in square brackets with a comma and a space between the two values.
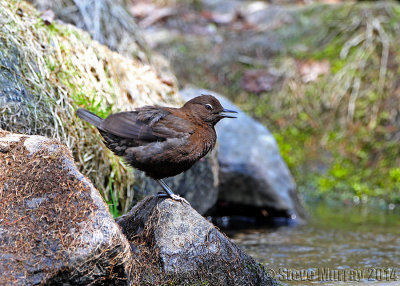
[202, 141]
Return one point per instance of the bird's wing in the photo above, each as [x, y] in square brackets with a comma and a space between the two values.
[173, 126]
[128, 125]
[147, 124]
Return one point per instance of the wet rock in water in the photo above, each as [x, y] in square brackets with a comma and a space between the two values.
[183, 248]
[198, 185]
[254, 179]
[54, 225]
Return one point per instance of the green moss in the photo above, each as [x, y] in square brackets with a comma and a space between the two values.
[66, 72]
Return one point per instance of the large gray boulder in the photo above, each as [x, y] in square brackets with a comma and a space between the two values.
[185, 249]
[252, 171]
[54, 225]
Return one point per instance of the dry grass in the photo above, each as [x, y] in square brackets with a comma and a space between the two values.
[362, 81]
[62, 69]
[107, 21]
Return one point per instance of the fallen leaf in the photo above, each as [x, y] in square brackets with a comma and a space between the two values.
[259, 80]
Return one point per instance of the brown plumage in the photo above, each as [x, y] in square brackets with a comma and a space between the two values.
[162, 141]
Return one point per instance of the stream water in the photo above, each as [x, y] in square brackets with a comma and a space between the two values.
[346, 246]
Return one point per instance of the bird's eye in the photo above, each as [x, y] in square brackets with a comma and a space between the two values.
[208, 106]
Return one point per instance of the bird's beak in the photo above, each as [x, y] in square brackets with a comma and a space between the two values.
[223, 115]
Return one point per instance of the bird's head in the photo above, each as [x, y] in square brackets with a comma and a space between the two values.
[207, 108]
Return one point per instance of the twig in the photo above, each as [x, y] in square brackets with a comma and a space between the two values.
[17, 220]
[62, 240]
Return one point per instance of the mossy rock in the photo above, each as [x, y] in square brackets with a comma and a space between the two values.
[48, 71]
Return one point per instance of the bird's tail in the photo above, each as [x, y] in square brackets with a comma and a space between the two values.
[89, 117]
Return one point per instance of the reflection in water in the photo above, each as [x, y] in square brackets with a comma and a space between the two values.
[338, 244]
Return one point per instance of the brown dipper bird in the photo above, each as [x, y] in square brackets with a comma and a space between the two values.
[162, 141]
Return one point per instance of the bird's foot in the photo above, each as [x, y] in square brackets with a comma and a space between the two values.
[179, 199]
[173, 197]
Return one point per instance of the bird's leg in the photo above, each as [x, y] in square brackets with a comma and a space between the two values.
[169, 192]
